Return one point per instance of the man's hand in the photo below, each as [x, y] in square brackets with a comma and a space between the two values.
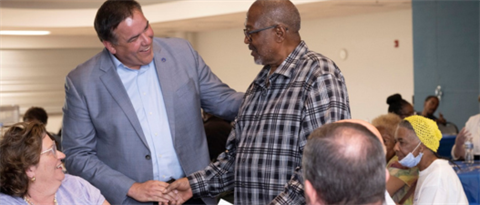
[151, 191]
[182, 188]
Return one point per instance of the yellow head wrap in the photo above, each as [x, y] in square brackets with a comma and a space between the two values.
[426, 130]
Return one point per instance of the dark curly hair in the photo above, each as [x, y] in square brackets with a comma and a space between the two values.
[36, 113]
[396, 103]
[20, 148]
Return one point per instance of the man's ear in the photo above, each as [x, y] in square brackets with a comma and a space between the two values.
[109, 47]
[311, 193]
[280, 33]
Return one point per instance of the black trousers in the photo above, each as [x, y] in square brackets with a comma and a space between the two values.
[191, 201]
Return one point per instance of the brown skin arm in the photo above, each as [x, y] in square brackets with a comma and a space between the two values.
[394, 184]
[441, 120]
[181, 187]
[151, 191]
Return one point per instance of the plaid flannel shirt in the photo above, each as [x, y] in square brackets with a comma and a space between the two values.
[264, 150]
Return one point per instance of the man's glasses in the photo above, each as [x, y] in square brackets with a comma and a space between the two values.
[248, 33]
[53, 149]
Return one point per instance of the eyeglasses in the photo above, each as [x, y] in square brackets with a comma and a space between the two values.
[53, 149]
[248, 34]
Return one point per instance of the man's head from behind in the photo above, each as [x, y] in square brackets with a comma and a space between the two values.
[344, 163]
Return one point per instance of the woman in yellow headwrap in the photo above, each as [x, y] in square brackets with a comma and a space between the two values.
[418, 139]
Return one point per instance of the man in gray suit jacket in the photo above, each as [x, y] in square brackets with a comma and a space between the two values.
[132, 116]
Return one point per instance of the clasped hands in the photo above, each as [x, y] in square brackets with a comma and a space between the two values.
[175, 193]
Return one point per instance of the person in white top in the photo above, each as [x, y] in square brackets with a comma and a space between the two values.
[471, 130]
[418, 139]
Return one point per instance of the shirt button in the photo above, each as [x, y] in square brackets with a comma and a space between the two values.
[147, 157]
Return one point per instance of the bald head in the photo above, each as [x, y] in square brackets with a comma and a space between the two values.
[345, 156]
[278, 12]
[349, 136]
[369, 126]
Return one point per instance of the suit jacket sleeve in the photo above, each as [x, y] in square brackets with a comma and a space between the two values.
[216, 97]
[80, 140]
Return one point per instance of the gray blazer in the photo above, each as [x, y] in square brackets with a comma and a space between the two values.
[102, 136]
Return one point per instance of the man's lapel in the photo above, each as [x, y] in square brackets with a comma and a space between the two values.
[114, 85]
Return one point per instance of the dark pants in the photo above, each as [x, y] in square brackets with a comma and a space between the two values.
[191, 201]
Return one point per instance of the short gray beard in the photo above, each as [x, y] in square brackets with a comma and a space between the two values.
[259, 61]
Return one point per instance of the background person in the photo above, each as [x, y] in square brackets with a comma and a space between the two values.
[418, 139]
[39, 114]
[429, 107]
[399, 106]
[386, 125]
[132, 119]
[31, 171]
[471, 131]
[401, 179]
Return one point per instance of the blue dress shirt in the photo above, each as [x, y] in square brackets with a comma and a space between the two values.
[144, 90]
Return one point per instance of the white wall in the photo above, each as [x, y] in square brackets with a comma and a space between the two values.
[374, 68]
[33, 70]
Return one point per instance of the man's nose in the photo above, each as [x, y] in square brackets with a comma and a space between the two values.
[246, 40]
[146, 40]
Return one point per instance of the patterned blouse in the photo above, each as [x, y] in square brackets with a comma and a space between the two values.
[408, 176]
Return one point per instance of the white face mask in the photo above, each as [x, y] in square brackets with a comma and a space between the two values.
[411, 161]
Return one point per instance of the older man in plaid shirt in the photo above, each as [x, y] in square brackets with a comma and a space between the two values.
[296, 92]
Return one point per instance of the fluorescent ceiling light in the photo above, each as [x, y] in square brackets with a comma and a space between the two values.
[28, 33]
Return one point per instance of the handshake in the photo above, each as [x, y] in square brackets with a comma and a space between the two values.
[177, 192]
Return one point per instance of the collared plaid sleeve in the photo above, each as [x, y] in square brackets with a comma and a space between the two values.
[217, 177]
[327, 102]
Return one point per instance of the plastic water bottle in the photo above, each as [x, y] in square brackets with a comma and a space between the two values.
[468, 151]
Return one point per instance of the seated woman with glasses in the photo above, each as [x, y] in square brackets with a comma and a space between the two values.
[31, 171]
